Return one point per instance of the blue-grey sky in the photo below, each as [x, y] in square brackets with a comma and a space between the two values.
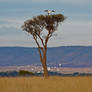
[76, 30]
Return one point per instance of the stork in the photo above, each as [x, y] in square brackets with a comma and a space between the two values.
[49, 11]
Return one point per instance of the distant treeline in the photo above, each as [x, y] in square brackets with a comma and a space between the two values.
[27, 73]
[15, 73]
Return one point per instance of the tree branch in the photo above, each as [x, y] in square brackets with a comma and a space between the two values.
[39, 48]
[41, 40]
[47, 38]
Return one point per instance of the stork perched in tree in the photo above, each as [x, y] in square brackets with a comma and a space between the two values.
[49, 11]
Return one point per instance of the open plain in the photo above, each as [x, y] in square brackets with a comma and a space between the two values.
[51, 84]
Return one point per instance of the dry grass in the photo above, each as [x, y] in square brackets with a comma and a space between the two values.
[52, 84]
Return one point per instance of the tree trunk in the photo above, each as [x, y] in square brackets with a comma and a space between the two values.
[44, 64]
[45, 70]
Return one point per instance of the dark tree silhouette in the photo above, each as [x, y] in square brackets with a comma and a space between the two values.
[42, 28]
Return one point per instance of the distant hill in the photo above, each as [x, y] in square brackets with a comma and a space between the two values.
[68, 56]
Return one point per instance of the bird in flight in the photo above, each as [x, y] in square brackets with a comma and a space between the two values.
[49, 11]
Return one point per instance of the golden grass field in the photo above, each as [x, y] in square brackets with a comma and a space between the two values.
[52, 84]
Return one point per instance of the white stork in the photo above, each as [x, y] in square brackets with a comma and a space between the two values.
[49, 11]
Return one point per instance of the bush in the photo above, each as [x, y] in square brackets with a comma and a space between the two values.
[25, 73]
[7, 73]
[76, 74]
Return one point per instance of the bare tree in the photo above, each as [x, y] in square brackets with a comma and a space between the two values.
[36, 27]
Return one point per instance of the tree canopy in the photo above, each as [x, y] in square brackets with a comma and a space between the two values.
[37, 24]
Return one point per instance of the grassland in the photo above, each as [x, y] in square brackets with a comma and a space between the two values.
[52, 84]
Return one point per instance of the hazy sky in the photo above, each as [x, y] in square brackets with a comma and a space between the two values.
[76, 30]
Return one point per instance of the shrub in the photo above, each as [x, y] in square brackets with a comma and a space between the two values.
[25, 73]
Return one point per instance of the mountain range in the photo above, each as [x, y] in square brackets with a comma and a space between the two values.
[67, 56]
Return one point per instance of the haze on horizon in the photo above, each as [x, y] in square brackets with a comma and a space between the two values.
[76, 30]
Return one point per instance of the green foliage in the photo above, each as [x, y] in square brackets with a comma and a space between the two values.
[76, 74]
[25, 73]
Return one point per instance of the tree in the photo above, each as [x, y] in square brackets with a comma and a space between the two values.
[36, 27]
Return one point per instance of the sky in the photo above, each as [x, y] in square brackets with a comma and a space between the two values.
[75, 30]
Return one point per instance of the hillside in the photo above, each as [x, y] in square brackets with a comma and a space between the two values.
[68, 56]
